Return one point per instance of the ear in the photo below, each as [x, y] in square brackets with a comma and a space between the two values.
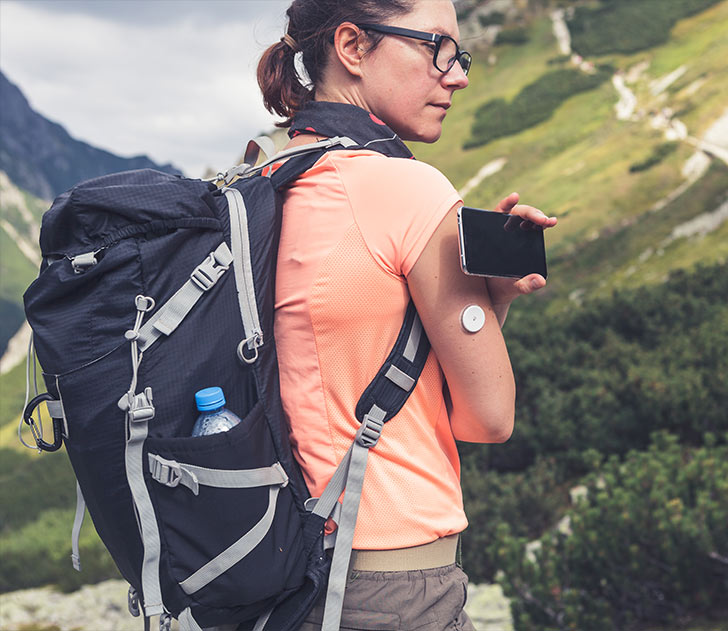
[348, 47]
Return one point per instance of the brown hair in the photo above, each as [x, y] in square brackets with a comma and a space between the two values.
[311, 27]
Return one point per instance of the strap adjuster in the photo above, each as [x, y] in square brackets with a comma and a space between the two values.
[369, 432]
[172, 473]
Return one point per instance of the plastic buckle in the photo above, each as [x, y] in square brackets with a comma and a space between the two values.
[140, 407]
[82, 262]
[205, 275]
[369, 432]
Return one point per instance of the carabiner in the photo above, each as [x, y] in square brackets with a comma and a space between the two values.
[30, 421]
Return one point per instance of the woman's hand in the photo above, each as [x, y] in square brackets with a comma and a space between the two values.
[504, 290]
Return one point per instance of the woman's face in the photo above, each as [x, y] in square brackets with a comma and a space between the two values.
[400, 83]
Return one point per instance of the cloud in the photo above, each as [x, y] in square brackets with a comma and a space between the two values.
[148, 12]
[172, 79]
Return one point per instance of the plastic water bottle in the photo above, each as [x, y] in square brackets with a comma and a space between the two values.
[214, 416]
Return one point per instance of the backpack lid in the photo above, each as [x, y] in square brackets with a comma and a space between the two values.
[98, 212]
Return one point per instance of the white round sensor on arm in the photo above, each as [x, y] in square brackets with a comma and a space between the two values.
[472, 318]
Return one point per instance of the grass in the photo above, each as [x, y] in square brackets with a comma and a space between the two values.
[617, 258]
[17, 271]
[12, 395]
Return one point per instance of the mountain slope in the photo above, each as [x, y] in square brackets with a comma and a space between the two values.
[41, 157]
[20, 215]
[577, 165]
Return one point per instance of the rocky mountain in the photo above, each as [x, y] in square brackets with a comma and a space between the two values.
[41, 157]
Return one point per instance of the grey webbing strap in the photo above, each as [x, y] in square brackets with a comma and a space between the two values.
[76, 531]
[139, 412]
[342, 141]
[366, 437]
[330, 496]
[400, 378]
[261, 622]
[236, 552]
[172, 473]
[169, 316]
[255, 146]
[243, 267]
[248, 168]
[56, 409]
[413, 341]
[187, 622]
[312, 502]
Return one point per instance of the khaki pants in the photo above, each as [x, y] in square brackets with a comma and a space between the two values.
[417, 600]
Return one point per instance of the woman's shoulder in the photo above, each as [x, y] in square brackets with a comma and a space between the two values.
[375, 169]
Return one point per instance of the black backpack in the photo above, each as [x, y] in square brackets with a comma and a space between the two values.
[152, 287]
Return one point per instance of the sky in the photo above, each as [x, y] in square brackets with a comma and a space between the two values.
[172, 79]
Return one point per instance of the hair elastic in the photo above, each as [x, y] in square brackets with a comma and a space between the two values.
[292, 44]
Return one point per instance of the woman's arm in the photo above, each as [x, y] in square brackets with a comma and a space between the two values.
[476, 365]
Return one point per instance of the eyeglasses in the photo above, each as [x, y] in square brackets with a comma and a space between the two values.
[445, 53]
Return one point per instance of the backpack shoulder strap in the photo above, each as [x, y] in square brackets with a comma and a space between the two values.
[301, 159]
[393, 384]
[382, 399]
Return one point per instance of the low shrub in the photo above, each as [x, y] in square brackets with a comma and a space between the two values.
[491, 18]
[659, 153]
[648, 544]
[525, 503]
[37, 500]
[48, 479]
[533, 105]
[39, 553]
[616, 369]
[516, 35]
[628, 26]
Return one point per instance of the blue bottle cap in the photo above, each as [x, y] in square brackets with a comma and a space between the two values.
[209, 399]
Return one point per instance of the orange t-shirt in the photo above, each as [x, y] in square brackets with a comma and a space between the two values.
[353, 227]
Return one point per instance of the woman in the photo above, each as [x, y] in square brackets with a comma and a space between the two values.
[363, 231]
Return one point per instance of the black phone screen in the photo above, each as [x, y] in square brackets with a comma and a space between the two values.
[495, 244]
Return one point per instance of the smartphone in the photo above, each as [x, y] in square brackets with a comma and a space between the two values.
[495, 244]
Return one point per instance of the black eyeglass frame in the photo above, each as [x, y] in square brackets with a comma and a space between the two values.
[435, 38]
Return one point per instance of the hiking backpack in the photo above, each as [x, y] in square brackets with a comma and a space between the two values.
[152, 287]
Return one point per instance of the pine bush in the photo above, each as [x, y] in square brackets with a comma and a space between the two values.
[649, 544]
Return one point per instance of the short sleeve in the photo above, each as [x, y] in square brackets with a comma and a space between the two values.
[397, 204]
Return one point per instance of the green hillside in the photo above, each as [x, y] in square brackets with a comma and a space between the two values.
[20, 214]
[576, 165]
